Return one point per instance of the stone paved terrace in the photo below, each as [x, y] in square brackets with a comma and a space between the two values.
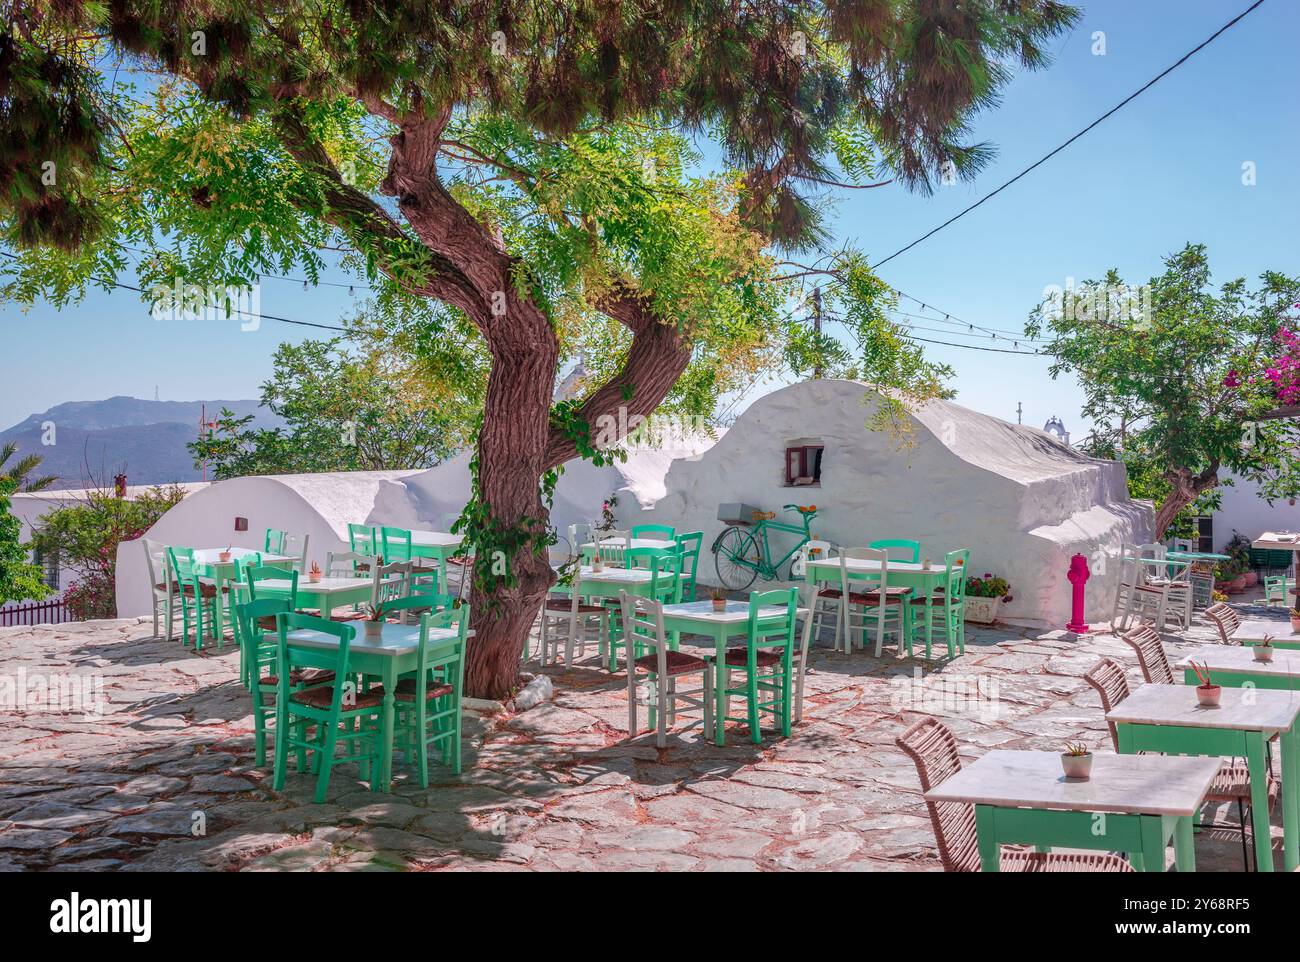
[556, 787]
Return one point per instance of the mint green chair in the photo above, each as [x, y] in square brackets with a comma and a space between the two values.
[767, 661]
[396, 544]
[198, 598]
[273, 543]
[337, 711]
[255, 573]
[363, 539]
[945, 614]
[427, 701]
[661, 532]
[1276, 589]
[664, 565]
[908, 550]
[690, 548]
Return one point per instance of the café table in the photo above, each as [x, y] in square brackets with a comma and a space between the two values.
[909, 574]
[1253, 630]
[208, 564]
[1168, 718]
[1132, 803]
[1235, 666]
[326, 594]
[699, 618]
[438, 545]
[394, 653]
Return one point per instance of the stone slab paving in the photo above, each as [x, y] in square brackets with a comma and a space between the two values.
[160, 773]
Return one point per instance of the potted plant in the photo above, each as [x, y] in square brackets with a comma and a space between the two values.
[1239, 550]
[1076, 761]
[374, 620]
[1263, 651]
[984, 596]
[1207, 692]
[1231, 577]
[224, 556]
[314, 574]
[1295, 620]
[719, 599]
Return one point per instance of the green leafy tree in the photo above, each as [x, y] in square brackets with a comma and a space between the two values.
[526, 166]
[343, 412]
[1175, 380]
[20, 472]
[19, 579]
[85, 536]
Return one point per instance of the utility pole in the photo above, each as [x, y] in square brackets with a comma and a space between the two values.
[1020, 409]
[817, 326]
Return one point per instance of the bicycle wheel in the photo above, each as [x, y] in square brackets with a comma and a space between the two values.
[736, 559]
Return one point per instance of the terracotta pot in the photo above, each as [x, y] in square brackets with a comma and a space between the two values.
[314, 577]
[720, 605]
[223, 556]
[1208, 696]
[1295, 626]
[1236, 586]
[1252, 579]
[1262, 652]
[1077, 766]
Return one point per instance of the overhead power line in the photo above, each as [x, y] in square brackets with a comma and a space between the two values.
[1052, 153]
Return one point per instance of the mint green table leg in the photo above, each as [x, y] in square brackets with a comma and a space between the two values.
[1291, 798]
[1259, 800]
[986, 838]
[720, 687]
[1184, 847]
[385, 780]
[1153, 843]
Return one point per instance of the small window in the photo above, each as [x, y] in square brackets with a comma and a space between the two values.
[49, 565]
[1205, 535]
[803, 464]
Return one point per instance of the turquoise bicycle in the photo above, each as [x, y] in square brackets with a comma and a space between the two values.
[742, 552]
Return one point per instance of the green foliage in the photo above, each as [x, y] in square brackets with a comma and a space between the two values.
[1173, 381]
[19, 579]
[20, 472]
[85, 537]
[344, 410]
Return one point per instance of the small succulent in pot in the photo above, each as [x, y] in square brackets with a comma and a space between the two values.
[314, 573]
[1295, 620]
[1263, 650]
[374, 619]
[1207, 692]
[224, 556]
[719, 599]
[1076, 761]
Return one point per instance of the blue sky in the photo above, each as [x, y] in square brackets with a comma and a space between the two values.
[1165, 170]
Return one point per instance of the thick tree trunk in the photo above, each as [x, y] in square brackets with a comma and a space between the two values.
[511, 447]
[1184, 488]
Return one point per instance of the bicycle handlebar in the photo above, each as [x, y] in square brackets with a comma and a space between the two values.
[802, 508]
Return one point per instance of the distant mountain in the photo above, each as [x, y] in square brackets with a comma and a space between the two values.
[95, 440]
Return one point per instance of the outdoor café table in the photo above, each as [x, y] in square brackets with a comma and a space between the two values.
[1252, 632]
[388, 657]
[208, 564]
[909, 574]
[1167, 718]
[608, 582]
[326, 594]
[589, 549]
[699, 618]
[1132, 803]
[1280, 541]
[1235, 667]
[439, 545]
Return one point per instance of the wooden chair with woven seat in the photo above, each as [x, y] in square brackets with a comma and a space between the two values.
[428, 701]
[570, 620]
[942, 615]
[643, 630]
[1226, 619]
[875, 603]
[336, 711]
[252, 622]
[933, 749]
[1232, 784]
[767, 659]
[163, 590]
[198, 598]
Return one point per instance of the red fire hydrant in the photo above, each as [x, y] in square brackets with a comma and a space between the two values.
[1078, 576]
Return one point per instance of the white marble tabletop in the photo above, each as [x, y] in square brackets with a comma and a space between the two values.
[635, 543]
[395, 639]
[871, 565]
[736, 611]
[628, 575]
[1131, 784]
[212, 556]
[326, 586]
[436, 539]
[1237, 659]
[1278, 541]
[1240, 709]
[1254, 629]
